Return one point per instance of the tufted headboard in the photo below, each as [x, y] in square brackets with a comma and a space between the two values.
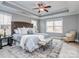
[17, 24]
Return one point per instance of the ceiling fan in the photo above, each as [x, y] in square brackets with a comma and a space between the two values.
[42, 7]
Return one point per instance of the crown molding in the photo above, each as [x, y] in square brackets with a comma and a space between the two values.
[58, 17]
[18, 7]
[23, 10]
[18, 14]
[54, 13]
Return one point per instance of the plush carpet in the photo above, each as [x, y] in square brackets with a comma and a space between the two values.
[17, 52]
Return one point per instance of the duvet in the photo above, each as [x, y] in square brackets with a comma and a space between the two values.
[30, 42]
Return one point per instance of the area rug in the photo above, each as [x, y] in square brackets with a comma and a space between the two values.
[17, 52]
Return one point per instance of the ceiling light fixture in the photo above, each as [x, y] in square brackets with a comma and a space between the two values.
[42, 7]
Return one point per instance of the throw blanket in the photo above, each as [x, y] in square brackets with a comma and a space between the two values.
[30, 42]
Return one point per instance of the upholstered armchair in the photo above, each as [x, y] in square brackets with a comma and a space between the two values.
[70, 36]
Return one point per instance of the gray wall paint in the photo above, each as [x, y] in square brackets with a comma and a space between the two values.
[78, 23]
[42, 26]
[77, 27]
[20, 18]
[69, 22]
[16, 17]
[38, 25]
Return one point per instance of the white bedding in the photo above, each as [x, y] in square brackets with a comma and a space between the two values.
[17, 37]
[30, 42]
[44, 34]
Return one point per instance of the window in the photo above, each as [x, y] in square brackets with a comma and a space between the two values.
[1, 19]
[5, 21]
[55, 26]
[49, 26]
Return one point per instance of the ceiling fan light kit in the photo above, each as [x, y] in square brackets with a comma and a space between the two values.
[42, 7]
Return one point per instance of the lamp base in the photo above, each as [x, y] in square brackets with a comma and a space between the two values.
[4, 34]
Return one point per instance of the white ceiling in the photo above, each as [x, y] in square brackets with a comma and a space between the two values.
[55, 6]
[26, 8]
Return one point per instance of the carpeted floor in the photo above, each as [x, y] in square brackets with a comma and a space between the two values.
[17, 52]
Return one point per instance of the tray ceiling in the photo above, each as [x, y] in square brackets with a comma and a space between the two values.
[26, 8]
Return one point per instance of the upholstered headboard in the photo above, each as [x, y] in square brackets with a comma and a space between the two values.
[17, 24]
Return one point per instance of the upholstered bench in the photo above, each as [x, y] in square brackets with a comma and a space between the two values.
[46, 43]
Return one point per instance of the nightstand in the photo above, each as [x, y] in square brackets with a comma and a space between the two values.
[8, 39]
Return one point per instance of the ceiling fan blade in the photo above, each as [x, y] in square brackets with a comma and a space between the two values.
[47, 7]
[39, 11]
[46, 10]
[39, 5]
[35, 8]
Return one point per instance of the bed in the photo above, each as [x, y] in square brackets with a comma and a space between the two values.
[18, 24]
[28, 41]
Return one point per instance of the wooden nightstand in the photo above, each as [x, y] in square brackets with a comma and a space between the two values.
[9, 41]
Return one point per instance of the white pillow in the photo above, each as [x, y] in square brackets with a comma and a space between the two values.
[34, 31]
[16, 31]
[24, 31]
[19, 30]
[30, 31]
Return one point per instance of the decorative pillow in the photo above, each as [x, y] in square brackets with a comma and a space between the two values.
[30, 30]
[34, 31]
[24, 31]
[19, 30]
[16, 31]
